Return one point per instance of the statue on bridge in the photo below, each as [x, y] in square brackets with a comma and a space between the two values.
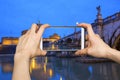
[98, 9]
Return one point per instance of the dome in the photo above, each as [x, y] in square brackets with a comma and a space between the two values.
[55, 36]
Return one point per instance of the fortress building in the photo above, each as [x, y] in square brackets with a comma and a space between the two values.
[9, 41]
[55, 36]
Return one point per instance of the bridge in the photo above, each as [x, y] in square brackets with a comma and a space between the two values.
[49, 39]
[108, 28]
[115, 39]
[111, 30]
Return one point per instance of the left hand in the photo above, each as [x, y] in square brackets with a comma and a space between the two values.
[28, 45]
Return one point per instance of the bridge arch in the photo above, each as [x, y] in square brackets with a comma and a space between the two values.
[116, 43]
[115, 39]
[69, 40]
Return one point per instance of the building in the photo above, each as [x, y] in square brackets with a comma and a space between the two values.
[55, 36]
[9, 41]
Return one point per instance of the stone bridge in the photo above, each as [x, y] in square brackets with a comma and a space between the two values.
[49, 40]
[108, 28]
[111, 30]
[75, 36]
[115, 39]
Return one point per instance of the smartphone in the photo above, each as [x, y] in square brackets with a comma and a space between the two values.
[63, 38]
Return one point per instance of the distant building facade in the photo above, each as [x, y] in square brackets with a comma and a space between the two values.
[9, 41]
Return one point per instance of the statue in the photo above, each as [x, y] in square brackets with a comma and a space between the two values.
[98, 9]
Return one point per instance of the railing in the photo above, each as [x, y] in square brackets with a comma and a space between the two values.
[112, 18]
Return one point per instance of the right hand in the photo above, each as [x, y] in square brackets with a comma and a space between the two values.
[96, 46]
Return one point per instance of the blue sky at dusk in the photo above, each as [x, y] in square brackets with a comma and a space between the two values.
[61, 31]
[18, 15]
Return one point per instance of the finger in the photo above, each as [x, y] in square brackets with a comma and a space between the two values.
[27, 33]
[41, 29]
[86, 43]
[81, 52]
[33, 28]
[37, 28]
[22, 38]
[97, 35]
[41, 52]
[86, 37]
[88, 27]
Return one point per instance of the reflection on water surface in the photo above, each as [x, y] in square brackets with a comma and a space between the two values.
[52, 68]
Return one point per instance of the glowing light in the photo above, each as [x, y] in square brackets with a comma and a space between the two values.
[53, 46]
[7, 42]
[30, 69]
[15, 42]
[50, 72]
[53, 40]
[77, 23]
[10, 41]
[33, 65]
[46, 60]
[44, 68]
[49, 39]
[60, 78]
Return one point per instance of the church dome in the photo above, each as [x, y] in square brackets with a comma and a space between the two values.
[55, 36]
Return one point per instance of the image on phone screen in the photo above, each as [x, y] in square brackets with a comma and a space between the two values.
[63, 38]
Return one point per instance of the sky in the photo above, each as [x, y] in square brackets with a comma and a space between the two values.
[18, 15]
[60, 31]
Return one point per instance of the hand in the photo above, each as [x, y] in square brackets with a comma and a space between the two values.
[96, 46]
[28, 45]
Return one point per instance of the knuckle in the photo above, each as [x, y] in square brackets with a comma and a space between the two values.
[33, 24]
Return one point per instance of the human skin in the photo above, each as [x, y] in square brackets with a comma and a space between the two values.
[27, 48]
[97, 47]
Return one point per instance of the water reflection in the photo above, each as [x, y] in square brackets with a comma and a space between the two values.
[68, 69]
[52, 68]
[40, 69]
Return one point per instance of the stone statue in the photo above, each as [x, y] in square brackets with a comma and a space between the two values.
[98, 9]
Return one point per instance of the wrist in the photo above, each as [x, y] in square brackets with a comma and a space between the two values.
[21, 57]
[110, 52]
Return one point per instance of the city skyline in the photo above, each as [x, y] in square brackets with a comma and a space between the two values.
[17, 16]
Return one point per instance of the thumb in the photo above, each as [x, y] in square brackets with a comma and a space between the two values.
[81, 52]
[41, 52]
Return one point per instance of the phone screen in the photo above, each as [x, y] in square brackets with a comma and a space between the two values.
[63, 38]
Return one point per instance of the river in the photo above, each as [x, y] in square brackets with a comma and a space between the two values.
[53, 68]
